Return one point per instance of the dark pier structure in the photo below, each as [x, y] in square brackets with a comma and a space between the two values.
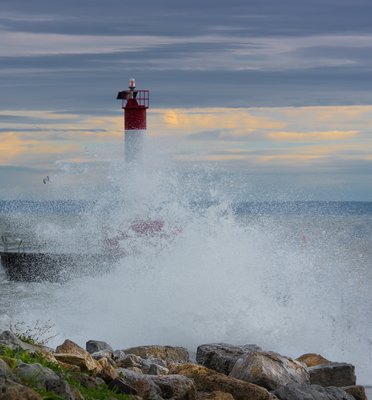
[23, 261]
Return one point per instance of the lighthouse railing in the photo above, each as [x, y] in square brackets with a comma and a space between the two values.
[142, 97]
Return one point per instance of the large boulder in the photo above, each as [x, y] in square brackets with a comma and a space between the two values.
[70, 347]
[311, 392]
[222, 356]
[151, 366]
[166, 353]
[208, 380]
[118, 355]
[70, 353]
[270, 370]
[6, 372]
[312, 359]
[62, 389]
[216, 395]
[36, 374]
[9, 339]
[120, 386]
[136, 383]
[106, 371]
[84, 363]
[91, 382]
[175, 387]
[333, 374]
[103, 354]
[357, 391]
[133, 361]
[45, 378]
[18, 392]
[92, 346]
[156, 369]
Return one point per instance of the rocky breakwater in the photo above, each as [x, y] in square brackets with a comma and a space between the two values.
[30, 371]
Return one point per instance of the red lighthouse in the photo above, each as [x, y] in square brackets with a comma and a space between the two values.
[134, 103]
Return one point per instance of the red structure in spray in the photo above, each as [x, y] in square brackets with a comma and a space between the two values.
[134, 103]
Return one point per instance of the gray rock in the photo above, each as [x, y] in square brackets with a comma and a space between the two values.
[157, 361]
[166, 353]
[141, 383]
[270, 370]
[222, 356]
[36, 373]
[60, 388]
[133, 361]
[333, 374]
[357, 391]
[207, 380]
[15, 391]
[120, 386]
[118, 355]
[9, 339]
[174, 387]
[45, 378]
[102, 354]
[311, 392]
[93, 346]
[156, 369]
[6, 372]
[89, 381]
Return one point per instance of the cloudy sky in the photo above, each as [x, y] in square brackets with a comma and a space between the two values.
[273, 91]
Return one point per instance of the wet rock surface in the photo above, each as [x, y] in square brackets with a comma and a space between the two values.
[216, 395]
[6, 372]
[357, 391]
[120, 386]
[9, 339]
[311, 392]
[106, 371]
[61, 388]
[70, 353]
[175, 387]
[222, 356]
[94, 346]
[270, 370]
[333, 374]
[152, 386]
[166, 353]
[208, 380]
[36, 374]
[19, 392]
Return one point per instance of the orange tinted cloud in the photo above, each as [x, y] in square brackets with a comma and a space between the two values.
[269, 134]
[289, 157]
[312, 136]
[239, 122]
[13, 147]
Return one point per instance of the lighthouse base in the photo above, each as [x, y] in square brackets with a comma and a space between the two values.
[134, 145]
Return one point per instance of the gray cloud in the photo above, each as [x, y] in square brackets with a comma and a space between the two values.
[256, 53]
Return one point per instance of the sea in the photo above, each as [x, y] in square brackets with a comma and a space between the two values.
[292, 277]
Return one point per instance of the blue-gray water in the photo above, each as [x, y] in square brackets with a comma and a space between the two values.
[293, 277]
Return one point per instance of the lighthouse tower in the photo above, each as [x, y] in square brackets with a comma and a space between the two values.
[134, 103]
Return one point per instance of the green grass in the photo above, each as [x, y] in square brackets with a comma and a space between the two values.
[97, 393]
[30, 358]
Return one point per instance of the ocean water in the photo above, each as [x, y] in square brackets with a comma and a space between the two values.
[292, 277]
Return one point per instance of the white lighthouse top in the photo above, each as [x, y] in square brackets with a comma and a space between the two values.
[132, 83]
